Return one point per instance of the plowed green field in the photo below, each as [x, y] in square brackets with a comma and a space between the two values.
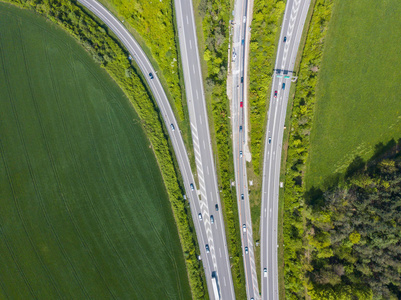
[83, 209]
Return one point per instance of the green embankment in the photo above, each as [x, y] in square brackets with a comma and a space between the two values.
[84, 211]
[357, 97]
[213, 35]
[153, 24]
[267, 16]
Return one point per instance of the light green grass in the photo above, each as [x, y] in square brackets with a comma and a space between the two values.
[84, 213]
[358, 93]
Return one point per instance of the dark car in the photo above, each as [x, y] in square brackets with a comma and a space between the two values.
[270, 140]
[217, 207]
[285, 39]
[243, 41]
[275, 94]
[211, 219]
[240, 128]
[242, 196]
[242, 79]
[151, 75]
[283, 87]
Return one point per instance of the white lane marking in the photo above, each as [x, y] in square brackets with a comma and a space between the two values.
[224, 279]
[197, 95]
[187, 20]
[220, 251]
[204, 145]
[193, 69]
[207, 169]
[200, 121]
[190, 44]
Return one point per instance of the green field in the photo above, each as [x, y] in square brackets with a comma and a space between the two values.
[358, 93]
[84, 212]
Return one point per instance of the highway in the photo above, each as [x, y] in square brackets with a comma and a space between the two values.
[240, 44]
[292, 27]
[208, 234]
[208, 188]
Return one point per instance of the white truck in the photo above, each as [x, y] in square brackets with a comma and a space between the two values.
[215, 286]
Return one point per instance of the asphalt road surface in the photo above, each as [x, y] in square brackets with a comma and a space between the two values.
[292, 27]
[239, 128]
[208, 189]
[207, 233]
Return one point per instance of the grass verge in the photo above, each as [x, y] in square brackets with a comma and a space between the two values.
[84, 210]
[114, 60]
[213, 18]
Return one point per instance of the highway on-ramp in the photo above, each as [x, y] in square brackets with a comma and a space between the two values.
[292, 27]
[217, 258]
[208, 190]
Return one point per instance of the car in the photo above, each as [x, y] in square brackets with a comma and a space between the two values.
[243, 41]
[207, 248]
[275, 94]
[211, 219]
[240, 128]
[217, 207]
[246, 250]
[244, 19]
[285, 39]
[242, 196]
[283, 86]
[241, 104]
[172, 127]
[244, 228]
[270, 140]
[265, 272]
[151, 75]
[192, 186]
[240, 154]
[234, 55]
[200, 216]
[242, 79]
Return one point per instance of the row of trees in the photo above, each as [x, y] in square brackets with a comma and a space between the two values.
[295, 245]
[106, 51]
[215, 15]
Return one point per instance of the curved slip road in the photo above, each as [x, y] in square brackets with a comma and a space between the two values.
[203, 228]
[292, 27]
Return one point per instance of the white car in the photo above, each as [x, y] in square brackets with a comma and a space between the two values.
[200, 217]
[240, 154]
[244, 228]
[265, 272]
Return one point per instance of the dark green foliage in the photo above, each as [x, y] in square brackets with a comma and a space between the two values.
[114, 59]
[295, 254]
[356, 236]
[267, 16]
[216, 30]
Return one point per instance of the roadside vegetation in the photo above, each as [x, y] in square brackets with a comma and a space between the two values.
[84, 212]
[298, 147]
[109, 54]
[215, 17]
[154, 22]
[329, 234]
[267, 17]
